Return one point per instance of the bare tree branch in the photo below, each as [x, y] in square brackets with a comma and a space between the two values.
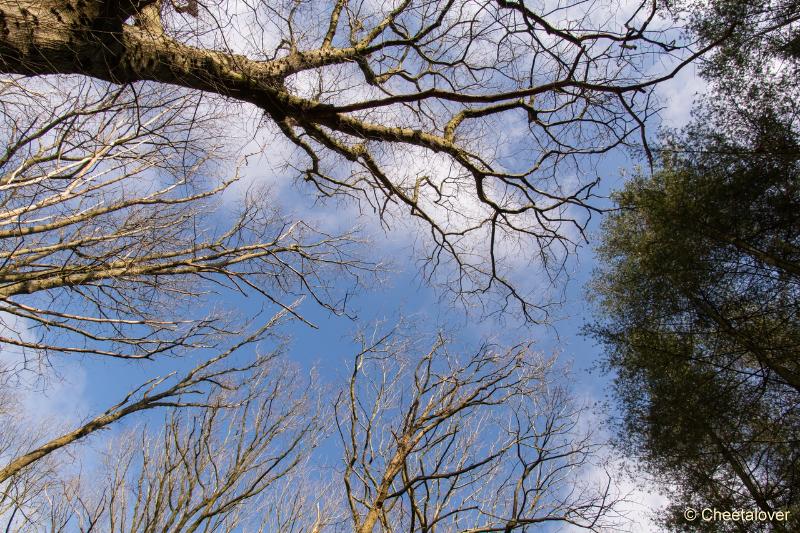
[479, 443]
[154, 393]
[108, 225]
[495, 102]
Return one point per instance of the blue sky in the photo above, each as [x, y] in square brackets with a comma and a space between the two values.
[85, 387]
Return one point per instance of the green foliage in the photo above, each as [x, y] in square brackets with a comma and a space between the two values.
[699, 285]
[751, 33]
[700, 316]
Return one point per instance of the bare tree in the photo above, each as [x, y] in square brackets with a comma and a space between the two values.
[112, 233]
[208, 472]
[235, 424]
[428, 441]
[114, 240]
[205, 466]
[470, 115]
[478, 443]
[20, 495]
[473, 117]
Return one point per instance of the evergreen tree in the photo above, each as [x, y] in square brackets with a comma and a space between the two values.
[698, 289]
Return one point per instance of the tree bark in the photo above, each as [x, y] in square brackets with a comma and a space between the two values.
[85, 37]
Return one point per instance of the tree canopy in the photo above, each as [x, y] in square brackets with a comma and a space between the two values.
[126, 235]
[699, 316]
[698, 290]
[472, 117]
[478, 124]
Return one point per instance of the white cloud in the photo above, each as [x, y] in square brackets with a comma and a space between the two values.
[679, 93]
[51, 394]
[638, 501]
